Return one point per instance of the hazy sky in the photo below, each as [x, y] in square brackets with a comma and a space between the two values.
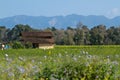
[109, 8]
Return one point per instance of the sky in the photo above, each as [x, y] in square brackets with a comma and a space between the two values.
[108, 8]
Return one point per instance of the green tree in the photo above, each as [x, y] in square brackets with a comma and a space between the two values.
[113, 35]
[59, 36]
[17, 45]
[86, 35]
[14, 34]
[3, 34]
[82, 34]
[69, 37]
[97, 34]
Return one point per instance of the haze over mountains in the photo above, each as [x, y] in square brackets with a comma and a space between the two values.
[60, 22]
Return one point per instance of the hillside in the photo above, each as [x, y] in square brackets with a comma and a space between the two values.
[41, 22]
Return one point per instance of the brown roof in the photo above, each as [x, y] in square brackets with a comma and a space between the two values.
[37, 34]
[37, 40]
[38, 37]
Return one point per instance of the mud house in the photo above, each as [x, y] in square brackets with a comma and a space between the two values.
[41, 39]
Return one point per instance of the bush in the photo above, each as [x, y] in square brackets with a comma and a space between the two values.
[78, 72]
[74, 68]
[17, 45]
[28, 45]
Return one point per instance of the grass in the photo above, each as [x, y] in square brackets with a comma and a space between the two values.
[57, 63]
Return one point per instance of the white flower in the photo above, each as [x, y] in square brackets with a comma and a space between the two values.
[115, 63]
[54, 60]
[20, 58]
[21, 69]
[11, 74]
[87, 64]
[60, 55]
[34, 67]
[83, 52]
[86, 53]
[67, 55]
[108, 57]
[75, 59]
[33, 60]
[45, 57]
[6, 55]
[97, 76]
[40, 62]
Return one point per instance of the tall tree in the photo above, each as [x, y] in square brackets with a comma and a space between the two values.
[59, 37]
[82, 34]
[14, 34]
[3, 34]
[113, 35]
[98, 34]
[86, 35]
[69, 36]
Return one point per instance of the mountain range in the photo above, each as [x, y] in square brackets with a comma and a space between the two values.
[60, 22]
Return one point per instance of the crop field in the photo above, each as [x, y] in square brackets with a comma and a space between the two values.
[61, 63]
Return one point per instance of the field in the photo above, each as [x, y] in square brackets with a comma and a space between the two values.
[61, 63]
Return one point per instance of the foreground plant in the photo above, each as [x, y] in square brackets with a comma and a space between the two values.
[59, 66]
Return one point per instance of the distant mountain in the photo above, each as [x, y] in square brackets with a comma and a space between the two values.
[60, 22]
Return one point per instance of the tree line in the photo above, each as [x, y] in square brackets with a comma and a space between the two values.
[80, 35]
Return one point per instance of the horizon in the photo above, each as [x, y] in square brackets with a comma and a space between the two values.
[59, 15]
[109, 9]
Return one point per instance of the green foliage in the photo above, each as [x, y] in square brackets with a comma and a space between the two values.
[17, 45]
[14, 34]
[28, 45]
[3, 34]
[81, 35]
[61, 63]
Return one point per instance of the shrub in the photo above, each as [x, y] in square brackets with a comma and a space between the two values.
[17, 45]
[28, 45]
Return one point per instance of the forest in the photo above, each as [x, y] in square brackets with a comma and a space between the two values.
[80, 35]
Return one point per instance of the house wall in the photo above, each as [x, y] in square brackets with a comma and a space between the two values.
[46, 46]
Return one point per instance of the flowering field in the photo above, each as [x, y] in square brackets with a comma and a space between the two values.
[61, 63]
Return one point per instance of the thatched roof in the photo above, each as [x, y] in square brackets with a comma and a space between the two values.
[38, 37]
